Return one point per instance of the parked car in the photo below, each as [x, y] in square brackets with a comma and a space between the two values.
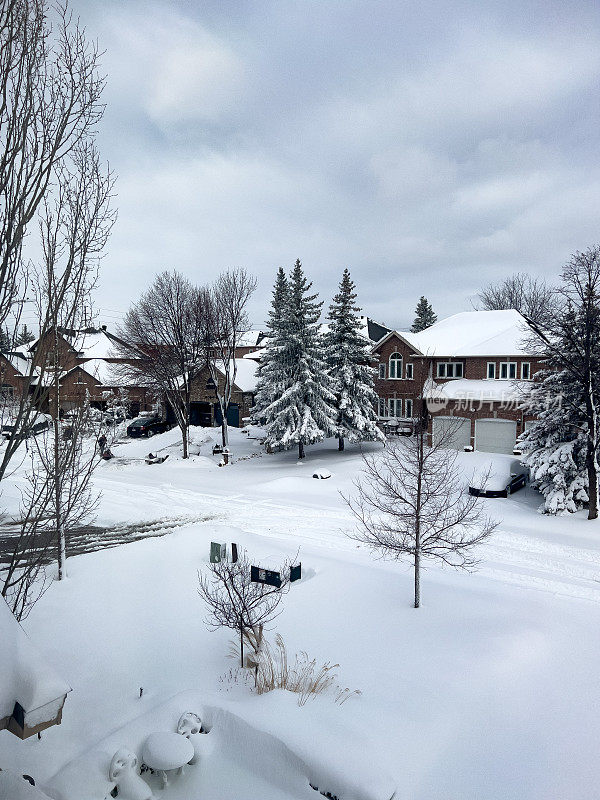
[498, 476]
[147, 426]
[39, 424]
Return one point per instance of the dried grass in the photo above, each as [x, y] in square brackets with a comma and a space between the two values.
[303, 675]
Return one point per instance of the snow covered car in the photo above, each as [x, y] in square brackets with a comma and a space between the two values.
[39, 424]
[498, 476]
[147, 426]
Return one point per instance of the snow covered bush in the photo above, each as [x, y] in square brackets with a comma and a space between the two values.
[555, 446]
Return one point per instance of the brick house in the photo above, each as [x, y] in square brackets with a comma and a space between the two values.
[88, 368]
[472, 367]
[204, 408]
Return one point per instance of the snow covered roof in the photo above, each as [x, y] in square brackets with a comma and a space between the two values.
[246, 374]
[100, 369]
[250, 338]
[472, 333]
[94, 345]
[27, 678]
[476, 391]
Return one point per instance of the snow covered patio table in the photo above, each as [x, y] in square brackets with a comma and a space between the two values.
[165, 751]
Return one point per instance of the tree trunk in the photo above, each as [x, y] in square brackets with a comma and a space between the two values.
[225, 431]
[417, 579]
[241, 643]
[341, 443]
[184, 439]
[300, 450]
[592, 472]
[591, 460]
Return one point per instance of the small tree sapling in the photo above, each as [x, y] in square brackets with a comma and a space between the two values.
[234, 601]
[411, 501]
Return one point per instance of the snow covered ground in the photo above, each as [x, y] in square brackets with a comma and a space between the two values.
[489, 691]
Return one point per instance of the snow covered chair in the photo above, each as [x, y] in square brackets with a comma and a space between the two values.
[190, 726]
[123, 772]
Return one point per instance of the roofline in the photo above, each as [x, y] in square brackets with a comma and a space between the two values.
[384, 339]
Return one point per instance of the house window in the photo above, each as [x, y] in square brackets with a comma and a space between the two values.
[508, 370]
[491, 370]
[395, 365]
[526, 371]
[382, 407]
[395, 407]
[408, 408]
[450, 369]
[7, 391]
[382, 371]
[409, 372]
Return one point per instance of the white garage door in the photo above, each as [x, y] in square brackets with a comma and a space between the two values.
[495, 435]
[456, 431]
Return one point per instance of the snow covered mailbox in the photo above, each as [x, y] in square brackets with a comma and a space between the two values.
[32, 695]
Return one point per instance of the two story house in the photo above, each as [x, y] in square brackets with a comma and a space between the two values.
[471, 371]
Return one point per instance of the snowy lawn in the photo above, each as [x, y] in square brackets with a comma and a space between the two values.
[489, 691]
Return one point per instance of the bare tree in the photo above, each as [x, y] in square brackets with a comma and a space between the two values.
[165, 328]
[49, 103]
[411, 501]
[226, 322]
[57, 498]
[532, 297]
[50, 92]
[236, 602]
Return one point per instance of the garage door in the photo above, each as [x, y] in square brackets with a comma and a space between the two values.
[455, 431]
[495, 435]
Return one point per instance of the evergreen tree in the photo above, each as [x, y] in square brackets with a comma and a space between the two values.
[555, 445]
[424, 316]
[302, 413]
[25, 336]
[5, 341]
[350, 368]
[272, 372]
[561, 446]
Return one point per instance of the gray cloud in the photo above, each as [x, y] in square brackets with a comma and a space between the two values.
[429, 148]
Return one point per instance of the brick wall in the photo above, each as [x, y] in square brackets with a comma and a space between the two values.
[203, 391]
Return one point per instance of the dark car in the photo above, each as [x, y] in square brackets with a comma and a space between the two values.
[147, 426]
[499, 477]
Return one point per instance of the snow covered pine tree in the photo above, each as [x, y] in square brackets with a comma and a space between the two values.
[555, 444]
[302, 410]
[272, 373]
[561, 446]
[349, 362]
[424, 316]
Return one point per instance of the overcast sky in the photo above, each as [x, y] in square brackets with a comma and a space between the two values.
[429, 147]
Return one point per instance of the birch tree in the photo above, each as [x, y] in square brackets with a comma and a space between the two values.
[75, 227]
[226, 322]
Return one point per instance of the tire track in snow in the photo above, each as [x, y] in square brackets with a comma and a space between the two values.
[509, 557]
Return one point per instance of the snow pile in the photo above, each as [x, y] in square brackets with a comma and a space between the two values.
[26, 675]
[269, 748]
